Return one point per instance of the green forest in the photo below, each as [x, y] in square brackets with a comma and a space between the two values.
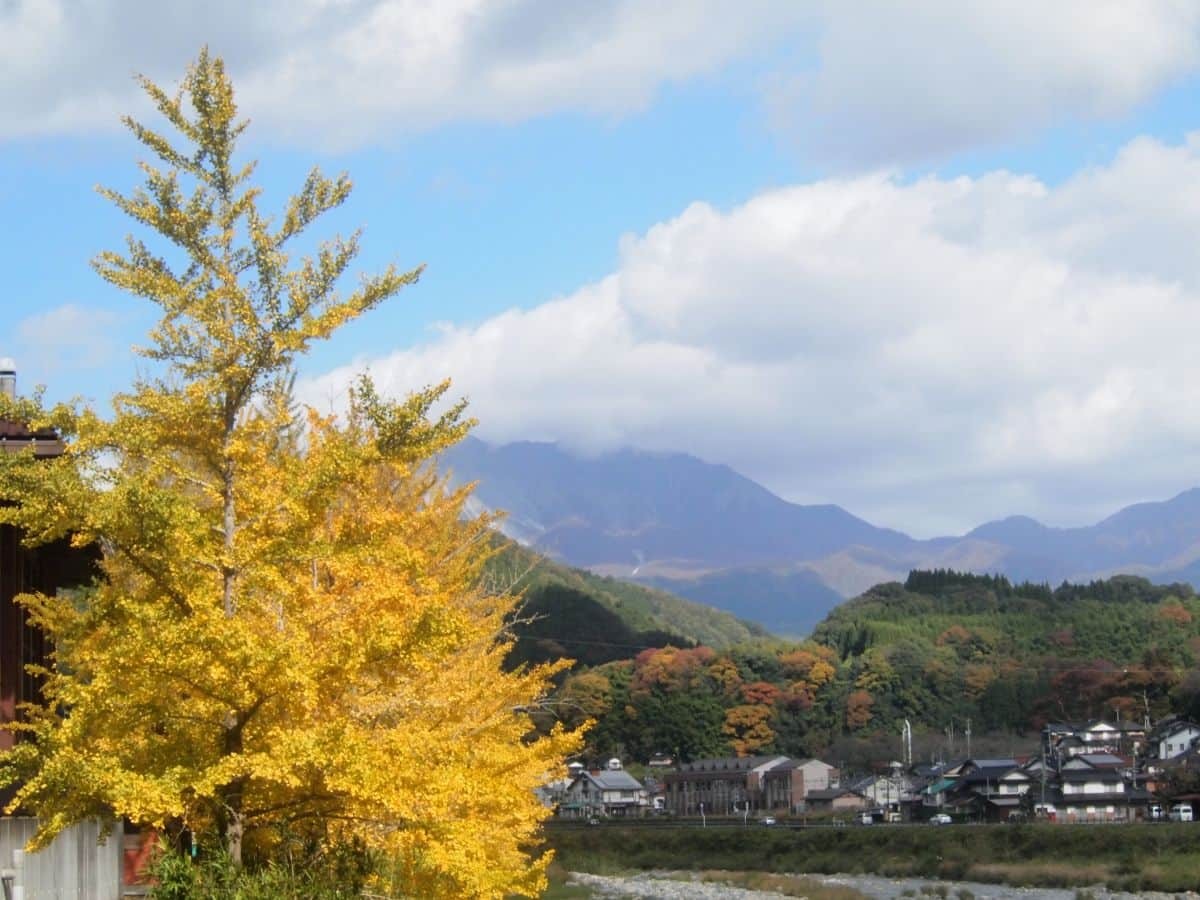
[594, 619]
[942, 649]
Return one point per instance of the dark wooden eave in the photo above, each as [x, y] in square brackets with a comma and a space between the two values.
[15, 438]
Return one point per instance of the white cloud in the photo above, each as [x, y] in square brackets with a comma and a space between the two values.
[891, 82]
[342, 71]
[897, 82]
[927, 354]
[68, 337]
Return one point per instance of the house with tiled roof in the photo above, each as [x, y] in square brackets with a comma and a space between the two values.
[607, 792]
[991, 788]
[1098, 793]
[1172, 738]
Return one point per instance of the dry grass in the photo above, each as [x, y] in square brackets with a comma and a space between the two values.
[1041, 874]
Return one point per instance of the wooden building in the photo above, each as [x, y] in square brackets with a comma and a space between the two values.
[45, 569]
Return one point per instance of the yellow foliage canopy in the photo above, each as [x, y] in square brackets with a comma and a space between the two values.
[287, 632]
[748, 728]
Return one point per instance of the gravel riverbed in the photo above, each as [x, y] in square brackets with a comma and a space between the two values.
[665, 886]
[681, 886]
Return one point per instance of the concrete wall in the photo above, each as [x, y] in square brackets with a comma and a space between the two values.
[74, 867]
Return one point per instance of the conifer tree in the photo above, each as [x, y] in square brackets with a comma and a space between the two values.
[286, 633]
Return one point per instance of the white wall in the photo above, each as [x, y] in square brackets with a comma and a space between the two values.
[1177, 744]
[74, 867]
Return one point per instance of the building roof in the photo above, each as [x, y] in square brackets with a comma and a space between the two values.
[985, 776]
[1110, 776]
[1103, 760]
[1005, 800]
[831, 793]
[732, 764]
[15, 437]
[1173, 728]
[612, 780]
[1008, 762]
[940, 786]
[928, 770]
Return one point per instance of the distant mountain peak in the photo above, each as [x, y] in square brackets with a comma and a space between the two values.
[703, 527]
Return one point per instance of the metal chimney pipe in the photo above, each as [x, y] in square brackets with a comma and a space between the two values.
[8, 378]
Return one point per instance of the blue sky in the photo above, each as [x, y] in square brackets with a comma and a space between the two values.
[932, 264]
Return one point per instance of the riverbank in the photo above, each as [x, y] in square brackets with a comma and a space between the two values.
[1126, 858]
[659, 885]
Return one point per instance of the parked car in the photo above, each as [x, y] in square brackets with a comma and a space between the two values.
[940, 819]
[1181, 812]
[767, 820]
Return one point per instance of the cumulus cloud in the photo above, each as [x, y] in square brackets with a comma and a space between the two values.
[928, 354]
[889, 82]
[343, 71]
[897, 82]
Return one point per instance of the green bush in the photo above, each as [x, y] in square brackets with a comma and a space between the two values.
[337, 875]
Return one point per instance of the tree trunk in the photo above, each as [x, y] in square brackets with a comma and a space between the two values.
[231, 817]
[234, 830]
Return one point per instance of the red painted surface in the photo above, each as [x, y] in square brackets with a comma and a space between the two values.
[139, 849]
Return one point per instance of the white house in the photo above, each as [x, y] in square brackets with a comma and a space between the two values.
[1100, 737]
[885, 790]
[1173, 739]
[1082, 776]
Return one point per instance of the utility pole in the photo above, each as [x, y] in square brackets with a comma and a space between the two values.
[1043, 778]
[968, 732]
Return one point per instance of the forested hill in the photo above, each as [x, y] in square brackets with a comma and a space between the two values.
[984, 616]
[593, 619]
[1019, 654]
[940, 649]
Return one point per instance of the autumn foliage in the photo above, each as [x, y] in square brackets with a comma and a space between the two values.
[942, 649]
[286, 641]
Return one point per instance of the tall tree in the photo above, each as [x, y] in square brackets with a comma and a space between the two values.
[286, 629]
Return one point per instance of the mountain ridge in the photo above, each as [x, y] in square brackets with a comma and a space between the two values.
[703, 531]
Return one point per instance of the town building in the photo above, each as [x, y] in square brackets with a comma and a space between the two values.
[46, 569]
[736, 785]
[607, 792]
[1171, 738]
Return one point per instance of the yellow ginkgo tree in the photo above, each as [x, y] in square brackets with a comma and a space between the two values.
[286, 629]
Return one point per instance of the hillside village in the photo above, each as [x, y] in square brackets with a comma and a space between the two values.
[1096, 772]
